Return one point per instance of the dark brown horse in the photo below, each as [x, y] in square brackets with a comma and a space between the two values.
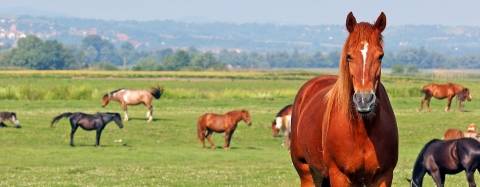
[344, 131]
[438, 158]
[227, 123]
[134, 97]
[445, 91]
[283, 123]
[11, 117]
[89, 122]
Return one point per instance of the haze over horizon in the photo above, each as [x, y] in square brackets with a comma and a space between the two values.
[310, 12]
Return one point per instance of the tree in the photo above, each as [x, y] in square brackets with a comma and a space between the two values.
[97, 50]
[205, 61]
[127, 52]
[177, 61]
[31, 52]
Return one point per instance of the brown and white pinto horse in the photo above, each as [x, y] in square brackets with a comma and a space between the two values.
[442, 91]
[344, 131]
[134, 97]
[227, 123]
[283, 123]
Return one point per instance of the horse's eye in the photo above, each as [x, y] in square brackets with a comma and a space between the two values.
[349, 58]
[380, 57]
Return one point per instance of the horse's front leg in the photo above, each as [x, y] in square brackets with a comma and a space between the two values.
[460, 105]
[150, 113]
[124, 107]
[384, 180]
[471, 178]
[337, 178]
[228, 138]
[99, 133]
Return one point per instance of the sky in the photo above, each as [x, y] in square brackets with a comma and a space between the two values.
[311, 12]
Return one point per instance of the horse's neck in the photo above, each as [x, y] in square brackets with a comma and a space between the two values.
[236, 117]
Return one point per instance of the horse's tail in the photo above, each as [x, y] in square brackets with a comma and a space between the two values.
[157, 92]
[59, 117]
[419, 169]
[200, 130]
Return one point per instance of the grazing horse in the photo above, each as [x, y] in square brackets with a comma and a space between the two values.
[9, 116]
[439, 157]
[89, 122]
[471, 131]
[283, 123]
[451, 134]
[134, 97]
[442, 91]
[227, 123]
[344, 131]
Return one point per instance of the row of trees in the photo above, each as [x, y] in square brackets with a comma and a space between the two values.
[97, 53]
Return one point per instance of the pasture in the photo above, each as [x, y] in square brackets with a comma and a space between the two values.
[167, 152]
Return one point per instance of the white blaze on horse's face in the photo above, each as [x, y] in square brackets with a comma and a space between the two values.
[364, 58]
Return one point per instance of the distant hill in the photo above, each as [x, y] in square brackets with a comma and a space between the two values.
[149, 35]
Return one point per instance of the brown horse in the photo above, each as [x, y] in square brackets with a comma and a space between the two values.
[344, 131]
[227, 123]
[451, 134]
[442, 91]
[134, 97]
[283, 122]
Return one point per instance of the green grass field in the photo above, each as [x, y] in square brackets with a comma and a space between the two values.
[166, 152]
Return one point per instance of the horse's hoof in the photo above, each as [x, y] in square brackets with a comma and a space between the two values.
[71, 145]
[18, 127]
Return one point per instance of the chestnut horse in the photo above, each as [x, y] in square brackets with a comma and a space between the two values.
[227, 123]
[344, 131]
[134, 97]
[283, 122]
[451, 134]
[442, 91]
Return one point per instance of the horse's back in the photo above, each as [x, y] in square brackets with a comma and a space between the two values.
[451, 134]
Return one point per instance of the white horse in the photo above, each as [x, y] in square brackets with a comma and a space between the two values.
[134, 97]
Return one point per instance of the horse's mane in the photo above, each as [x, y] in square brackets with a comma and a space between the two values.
[340, 94]
[115, 91]
[282, 110]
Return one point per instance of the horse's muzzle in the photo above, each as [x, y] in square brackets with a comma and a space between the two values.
[364, 101]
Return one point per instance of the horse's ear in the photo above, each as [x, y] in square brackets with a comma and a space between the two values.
[381, 22]
[351, 22]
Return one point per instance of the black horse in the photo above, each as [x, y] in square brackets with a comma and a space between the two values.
[440, 157]
[89, 122]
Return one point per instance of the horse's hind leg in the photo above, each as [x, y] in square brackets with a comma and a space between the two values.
[427, 102]
[201, 135]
